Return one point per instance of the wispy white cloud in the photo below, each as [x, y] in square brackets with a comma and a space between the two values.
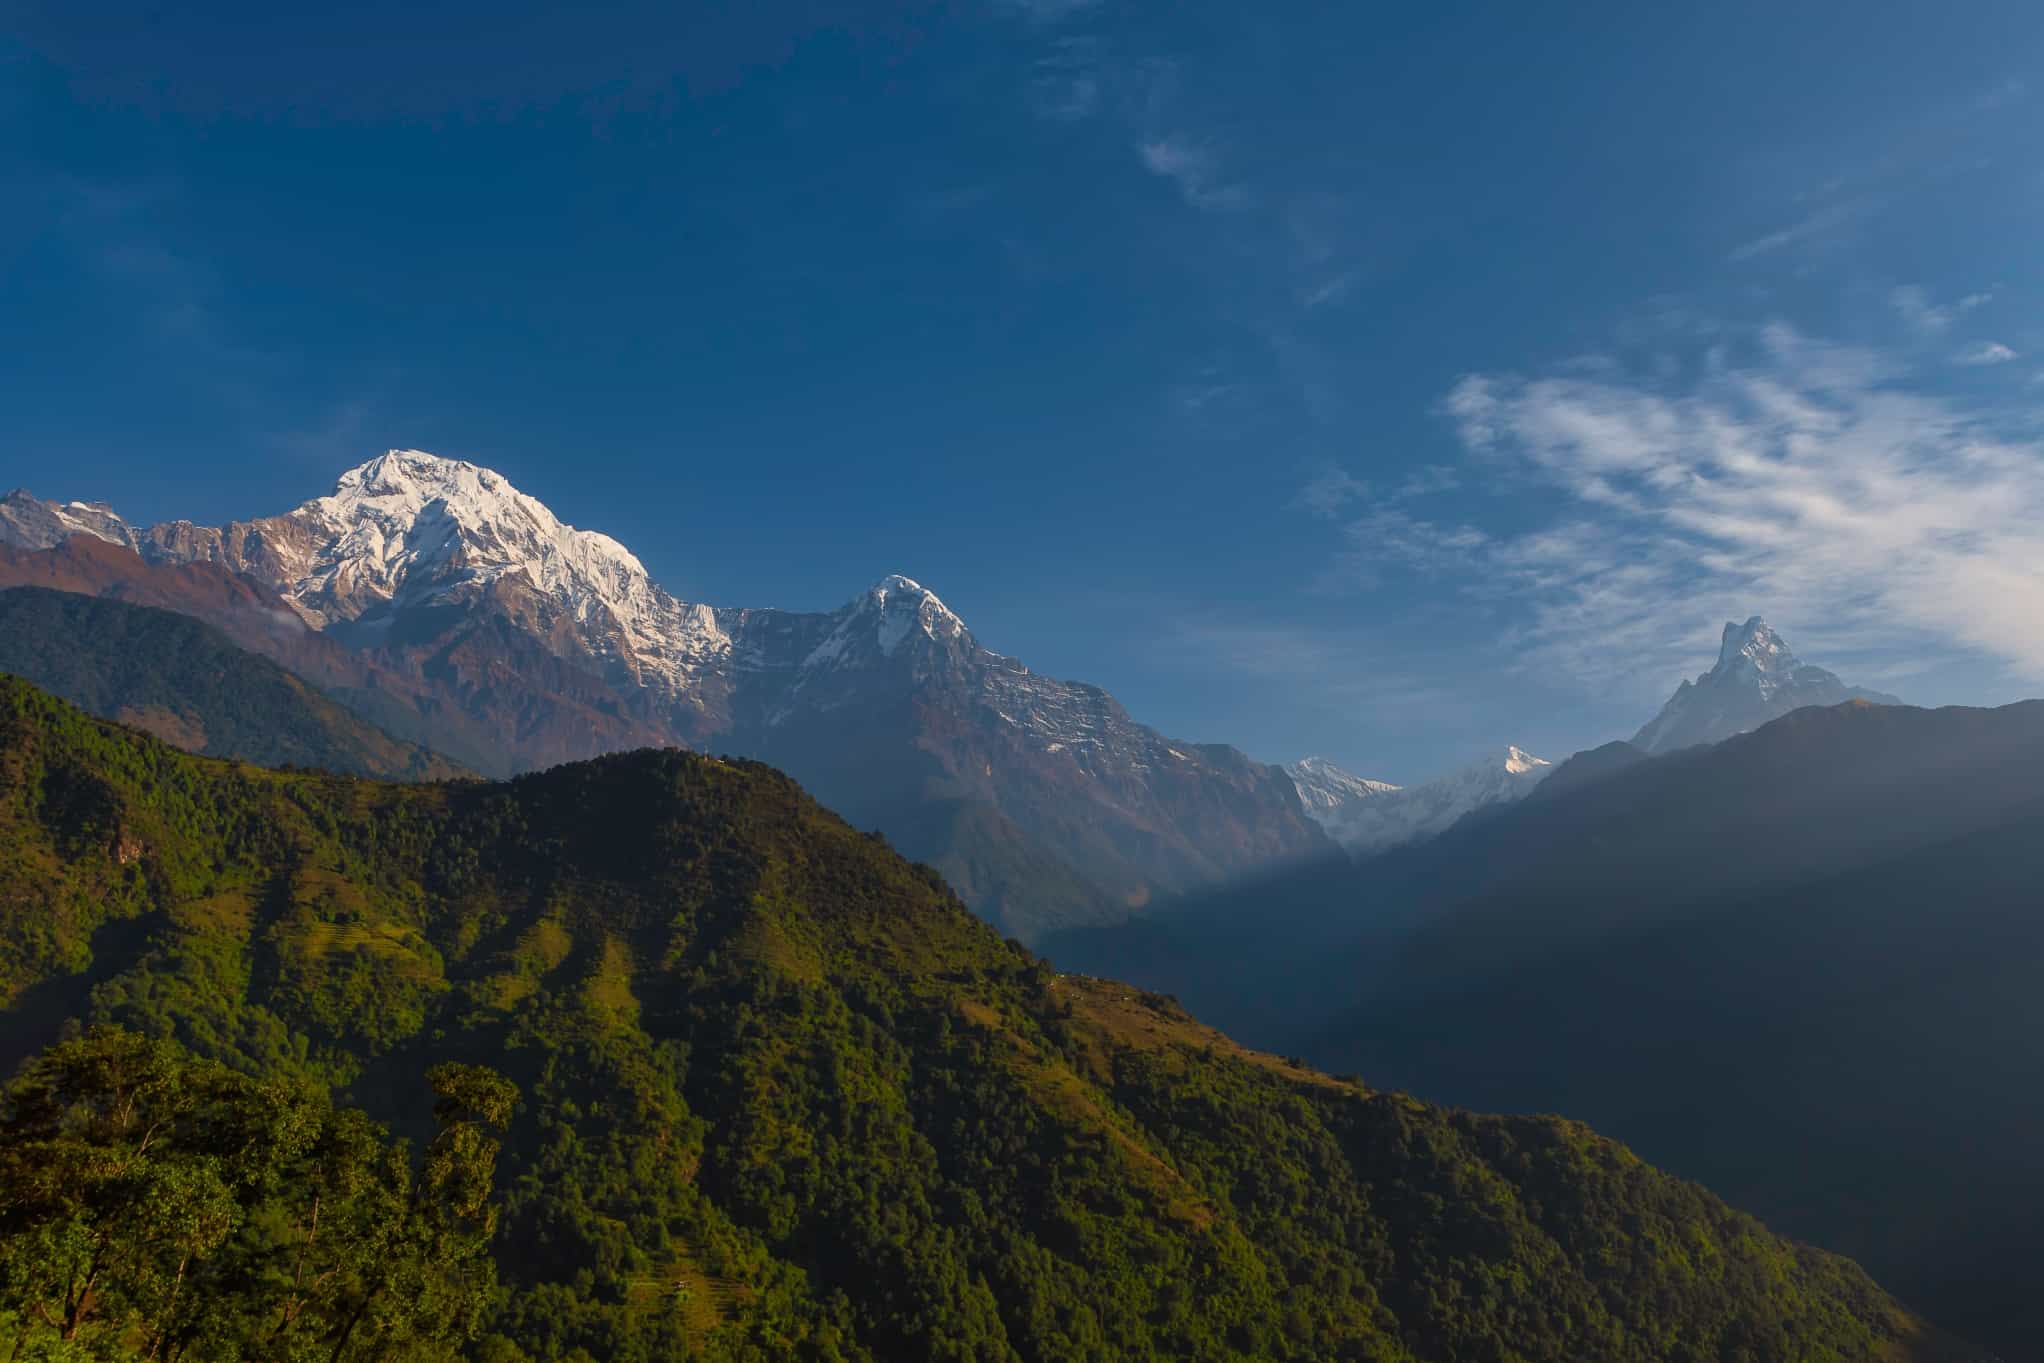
[2010, 92]
[1428, 479]
[1333, 489]
[1329, 290]
[1068, 83]
[1814, 225]
[1344, 670]
[1194, 170]
[1985, 353]
[1814, 483]
[1330, 491]
[1915, 305]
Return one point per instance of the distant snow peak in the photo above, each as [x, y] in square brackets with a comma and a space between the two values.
[410, 528]
[1757, 678]
[880, 620]
[1757, 651]
[1368, 817]
[31, 523]
[1325, 788]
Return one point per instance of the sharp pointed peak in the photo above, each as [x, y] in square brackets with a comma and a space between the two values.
[897, 592]
[1752, 627]
[1756, 641]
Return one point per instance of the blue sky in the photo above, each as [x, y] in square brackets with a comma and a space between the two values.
[1386, 385]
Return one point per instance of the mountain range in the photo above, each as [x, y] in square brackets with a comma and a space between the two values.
[1756, 678]
[1520, 934]
[1367, 816]
[763, 1091]
[452, 611]
[439, 600]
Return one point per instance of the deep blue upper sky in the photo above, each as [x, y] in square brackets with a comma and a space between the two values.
[1390, 386]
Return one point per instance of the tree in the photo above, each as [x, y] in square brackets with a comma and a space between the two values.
[161, 1208]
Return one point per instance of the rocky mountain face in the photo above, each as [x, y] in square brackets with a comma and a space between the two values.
[1368, 817]
[1757, 678]
[455, 592]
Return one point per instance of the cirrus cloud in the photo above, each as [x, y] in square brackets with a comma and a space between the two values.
[1815, 483]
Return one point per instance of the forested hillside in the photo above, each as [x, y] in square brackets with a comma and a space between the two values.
[784, 1097]
[189, 684]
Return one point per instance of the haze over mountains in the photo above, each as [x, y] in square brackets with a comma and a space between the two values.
[473, 611]
[450, 609]
[1800, 964]
[1828, 924]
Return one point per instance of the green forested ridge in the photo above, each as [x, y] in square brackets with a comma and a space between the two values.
[156, 1207]
[784, 1097]
[188, 683]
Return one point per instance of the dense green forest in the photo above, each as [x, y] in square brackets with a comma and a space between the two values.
[158, 1207]
[189, 684]
[780, 1097]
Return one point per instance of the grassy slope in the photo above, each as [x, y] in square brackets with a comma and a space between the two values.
[787, 1098]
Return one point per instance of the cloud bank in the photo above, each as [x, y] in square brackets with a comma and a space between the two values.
[1816, 484]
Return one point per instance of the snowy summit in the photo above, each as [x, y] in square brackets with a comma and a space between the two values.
[1368, 817]
[1757, 678]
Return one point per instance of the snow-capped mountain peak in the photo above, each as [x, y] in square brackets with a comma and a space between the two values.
[410, 529]
[904, 606]
[1370, 816]
[484, 616]
[884, 617]
[28, 521]
[1324, 787]
[1756, 651]
[1757, 677]
[410, 517]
